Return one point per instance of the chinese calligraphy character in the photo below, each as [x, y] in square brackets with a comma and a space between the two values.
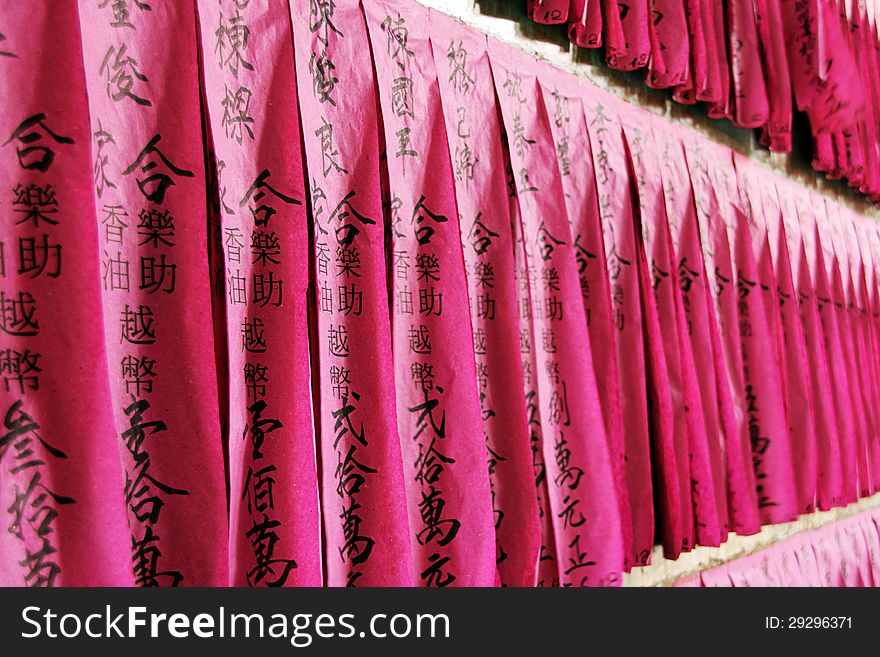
[154, 185]
[28, 133]
[121, 71]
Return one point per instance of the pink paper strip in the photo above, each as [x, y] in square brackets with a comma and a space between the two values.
[845, 427]
[829, 487]
[759, 337]
[868, 126]
[614, 192]
[585, 23]
[438, 411]
[856, 550]
[697, 487]
[549, 12]
[872, 545]
[366, 528]
[150, 193]
[61, 487]
[806, 559]
[802, 26]
[710, 181]
[576, 168]
[870, 249]
[274, 530]
[697, 85]
[838, 333]
[832, 103]
[473, 128]
[667, 402]
[695, 329]
[627, 40]
[548, 567]
[782, 311]
[670, 51]
[717, 53]
[765, 397]
[750, 94]
[864, 349]
[854, 350]
[777, 132]
[582, 491]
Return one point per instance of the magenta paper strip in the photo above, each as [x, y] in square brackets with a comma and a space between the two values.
[366, 528]
[576, 169]
[764, 392]
[853, 351]
[863, 42]
[549, 12]
[662, 277]
[717, 53]
[696, 80]
[846, 243]
[751, 107]
[845, 425]
[666, 392]
[871, 71]
[802, 31]
[829, 491]
[864, 355]
[585, 23]
[273, 506]
[150, 193]
[709, 182]
[868, 243]
[614, 192]
[782, 312]
[474, 131]
[627, 41]
[777, 132]
[765, 397]
[704, 76]
[61, 488]
[670, 50]
[583, 500]
[695, 326]
[439, 416]
[839, 334]
[548, 567]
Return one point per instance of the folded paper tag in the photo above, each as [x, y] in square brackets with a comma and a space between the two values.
[578, 177]
[438, 409]
[150, 193]
[782, 313]
[473, 127]
[580, 480]
[61, 491]
[614, 192]
[364, 502]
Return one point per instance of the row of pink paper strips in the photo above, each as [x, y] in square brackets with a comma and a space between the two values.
[842, 553]
[331, 293]
[746, 59]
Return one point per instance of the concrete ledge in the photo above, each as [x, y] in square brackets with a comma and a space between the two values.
[663, 572]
